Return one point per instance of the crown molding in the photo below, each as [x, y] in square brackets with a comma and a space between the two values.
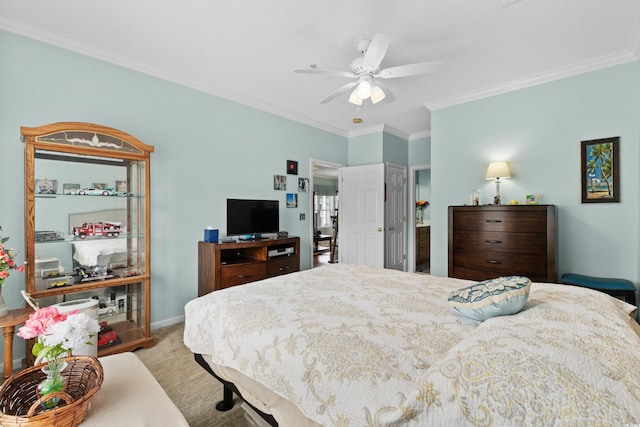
[396, 132]
[534, 80]
[366, 131]
[420, 135]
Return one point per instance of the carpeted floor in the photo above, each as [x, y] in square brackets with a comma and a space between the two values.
[191, 388]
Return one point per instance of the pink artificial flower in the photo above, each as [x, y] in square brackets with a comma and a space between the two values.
[4, 274]
[40, 321]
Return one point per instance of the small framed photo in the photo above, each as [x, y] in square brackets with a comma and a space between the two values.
[292, 200]
[280, 182]
[99, 185]
[600, 170]
[121, 186]
[46, 186]
[303, 184]
[70, 188]
[292, 167]
[533, 199]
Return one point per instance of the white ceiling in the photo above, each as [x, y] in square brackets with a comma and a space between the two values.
[246, 50]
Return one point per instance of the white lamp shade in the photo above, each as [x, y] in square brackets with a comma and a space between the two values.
[498, 170]
[364, 89]
[377, 94]
[354, 98]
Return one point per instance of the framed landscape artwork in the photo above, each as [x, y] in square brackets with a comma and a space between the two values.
[600, 169]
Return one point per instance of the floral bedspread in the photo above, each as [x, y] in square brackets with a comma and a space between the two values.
[356, 346]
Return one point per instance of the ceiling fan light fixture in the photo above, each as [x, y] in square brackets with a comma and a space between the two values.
[377, 94]
[364, 89]
[354, 98]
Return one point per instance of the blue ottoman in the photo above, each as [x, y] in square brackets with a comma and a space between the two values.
[614, 287]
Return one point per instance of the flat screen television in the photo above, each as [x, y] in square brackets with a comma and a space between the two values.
[252, 217]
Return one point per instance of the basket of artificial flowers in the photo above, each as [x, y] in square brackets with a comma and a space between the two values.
[58, 389]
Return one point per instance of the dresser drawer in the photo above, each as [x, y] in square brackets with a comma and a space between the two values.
[239, 274]
[509, 221]
[486, 265]
[500, 241]
[281, 265]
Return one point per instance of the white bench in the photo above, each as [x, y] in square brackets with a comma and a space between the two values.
[131, 396]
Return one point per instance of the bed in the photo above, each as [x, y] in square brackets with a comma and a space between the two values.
[346, 345]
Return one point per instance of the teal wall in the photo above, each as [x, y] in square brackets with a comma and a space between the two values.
[365, 149]
[395, 149]
[206, 150]
[419, 151]
[538, 131]
[376, 148]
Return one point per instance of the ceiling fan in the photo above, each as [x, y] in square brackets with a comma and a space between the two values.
[366, 73]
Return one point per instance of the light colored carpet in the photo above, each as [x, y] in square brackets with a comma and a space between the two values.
[194, 391]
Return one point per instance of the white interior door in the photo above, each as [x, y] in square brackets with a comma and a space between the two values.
[396, 217]
[361, 218]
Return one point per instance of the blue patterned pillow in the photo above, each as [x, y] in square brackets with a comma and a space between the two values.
[495, 297]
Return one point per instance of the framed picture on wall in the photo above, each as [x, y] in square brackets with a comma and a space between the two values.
[280, 182]
[303, 184]
[292, 200]
[292, 167]
[600, 169]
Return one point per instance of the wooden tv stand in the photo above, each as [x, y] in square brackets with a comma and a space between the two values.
[222, 265]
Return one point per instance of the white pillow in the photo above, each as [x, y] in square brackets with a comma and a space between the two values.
[495, 297]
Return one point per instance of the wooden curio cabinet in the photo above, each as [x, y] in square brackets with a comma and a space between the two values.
[87, 226]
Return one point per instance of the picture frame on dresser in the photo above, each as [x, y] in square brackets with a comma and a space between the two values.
[600, 170]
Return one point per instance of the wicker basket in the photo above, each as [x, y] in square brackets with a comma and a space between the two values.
[20, 406]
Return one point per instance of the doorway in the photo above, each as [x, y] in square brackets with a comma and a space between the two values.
[324, 211]
[420, 238]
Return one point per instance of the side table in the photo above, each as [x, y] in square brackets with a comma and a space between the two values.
[8, 325]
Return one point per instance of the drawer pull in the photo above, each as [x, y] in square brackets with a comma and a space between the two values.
[491, 261]
[492, 220]
[244, 276]
[284, 268]
[493, 241]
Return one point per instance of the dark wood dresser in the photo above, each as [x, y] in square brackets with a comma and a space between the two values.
[423, 243]
[504, 240]
[222, 265]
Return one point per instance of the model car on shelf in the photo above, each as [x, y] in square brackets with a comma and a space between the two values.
[106, 335]
[100, 228]
[59, 282]
[90, 191]
[48, 236]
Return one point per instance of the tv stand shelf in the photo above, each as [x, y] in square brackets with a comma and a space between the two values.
[222, 265]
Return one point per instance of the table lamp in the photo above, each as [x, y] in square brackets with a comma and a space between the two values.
[497, 170]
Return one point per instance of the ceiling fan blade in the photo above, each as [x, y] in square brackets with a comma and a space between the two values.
[376, 51]
[388, 95]
[409, 70]
[336, 93]
[325, 72]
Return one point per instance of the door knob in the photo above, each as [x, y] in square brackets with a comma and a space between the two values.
[390, 228]
[379, 228]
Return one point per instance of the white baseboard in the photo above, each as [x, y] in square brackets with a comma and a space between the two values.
[167, 322]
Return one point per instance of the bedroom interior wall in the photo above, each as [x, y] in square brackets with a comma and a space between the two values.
[538, 131]
[395, 149]
[365, 149]
[419, 151]
[206, 149]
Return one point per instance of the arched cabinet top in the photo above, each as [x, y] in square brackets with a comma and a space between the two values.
[85, 137]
